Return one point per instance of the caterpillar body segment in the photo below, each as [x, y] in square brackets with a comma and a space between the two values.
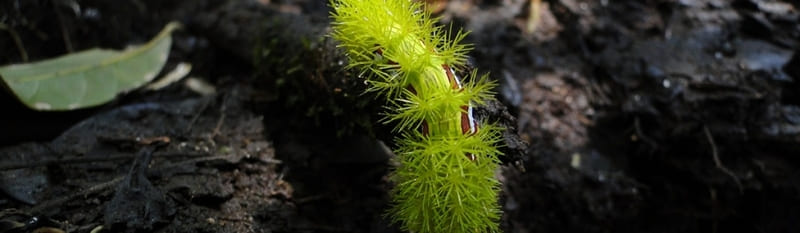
[447, 158]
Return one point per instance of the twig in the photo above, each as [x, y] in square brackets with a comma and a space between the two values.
[718, 163]
[17, 41]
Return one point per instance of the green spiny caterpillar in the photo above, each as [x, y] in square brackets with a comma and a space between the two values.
[447, 159]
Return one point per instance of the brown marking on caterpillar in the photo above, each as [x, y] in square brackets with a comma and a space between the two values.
[451, 77]
[465, 124]
[424, 128]
[468, 123]
[471, 157]
[411, 89]
[379, 52]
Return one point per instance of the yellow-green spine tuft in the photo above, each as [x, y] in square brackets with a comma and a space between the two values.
[402, 54]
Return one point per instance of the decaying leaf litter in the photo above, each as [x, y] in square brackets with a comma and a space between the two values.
[657, 115]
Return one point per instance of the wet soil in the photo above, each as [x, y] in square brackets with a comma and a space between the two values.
[638, 116]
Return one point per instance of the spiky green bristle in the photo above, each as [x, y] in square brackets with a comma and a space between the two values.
[445, 178]
[403, 32]
[439, 190]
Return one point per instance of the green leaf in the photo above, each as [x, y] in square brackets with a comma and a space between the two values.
[88, 78]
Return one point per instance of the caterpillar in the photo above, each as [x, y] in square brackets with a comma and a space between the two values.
[444, 180]
[469, 124]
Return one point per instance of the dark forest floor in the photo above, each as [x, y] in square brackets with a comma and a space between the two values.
[640, 116]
